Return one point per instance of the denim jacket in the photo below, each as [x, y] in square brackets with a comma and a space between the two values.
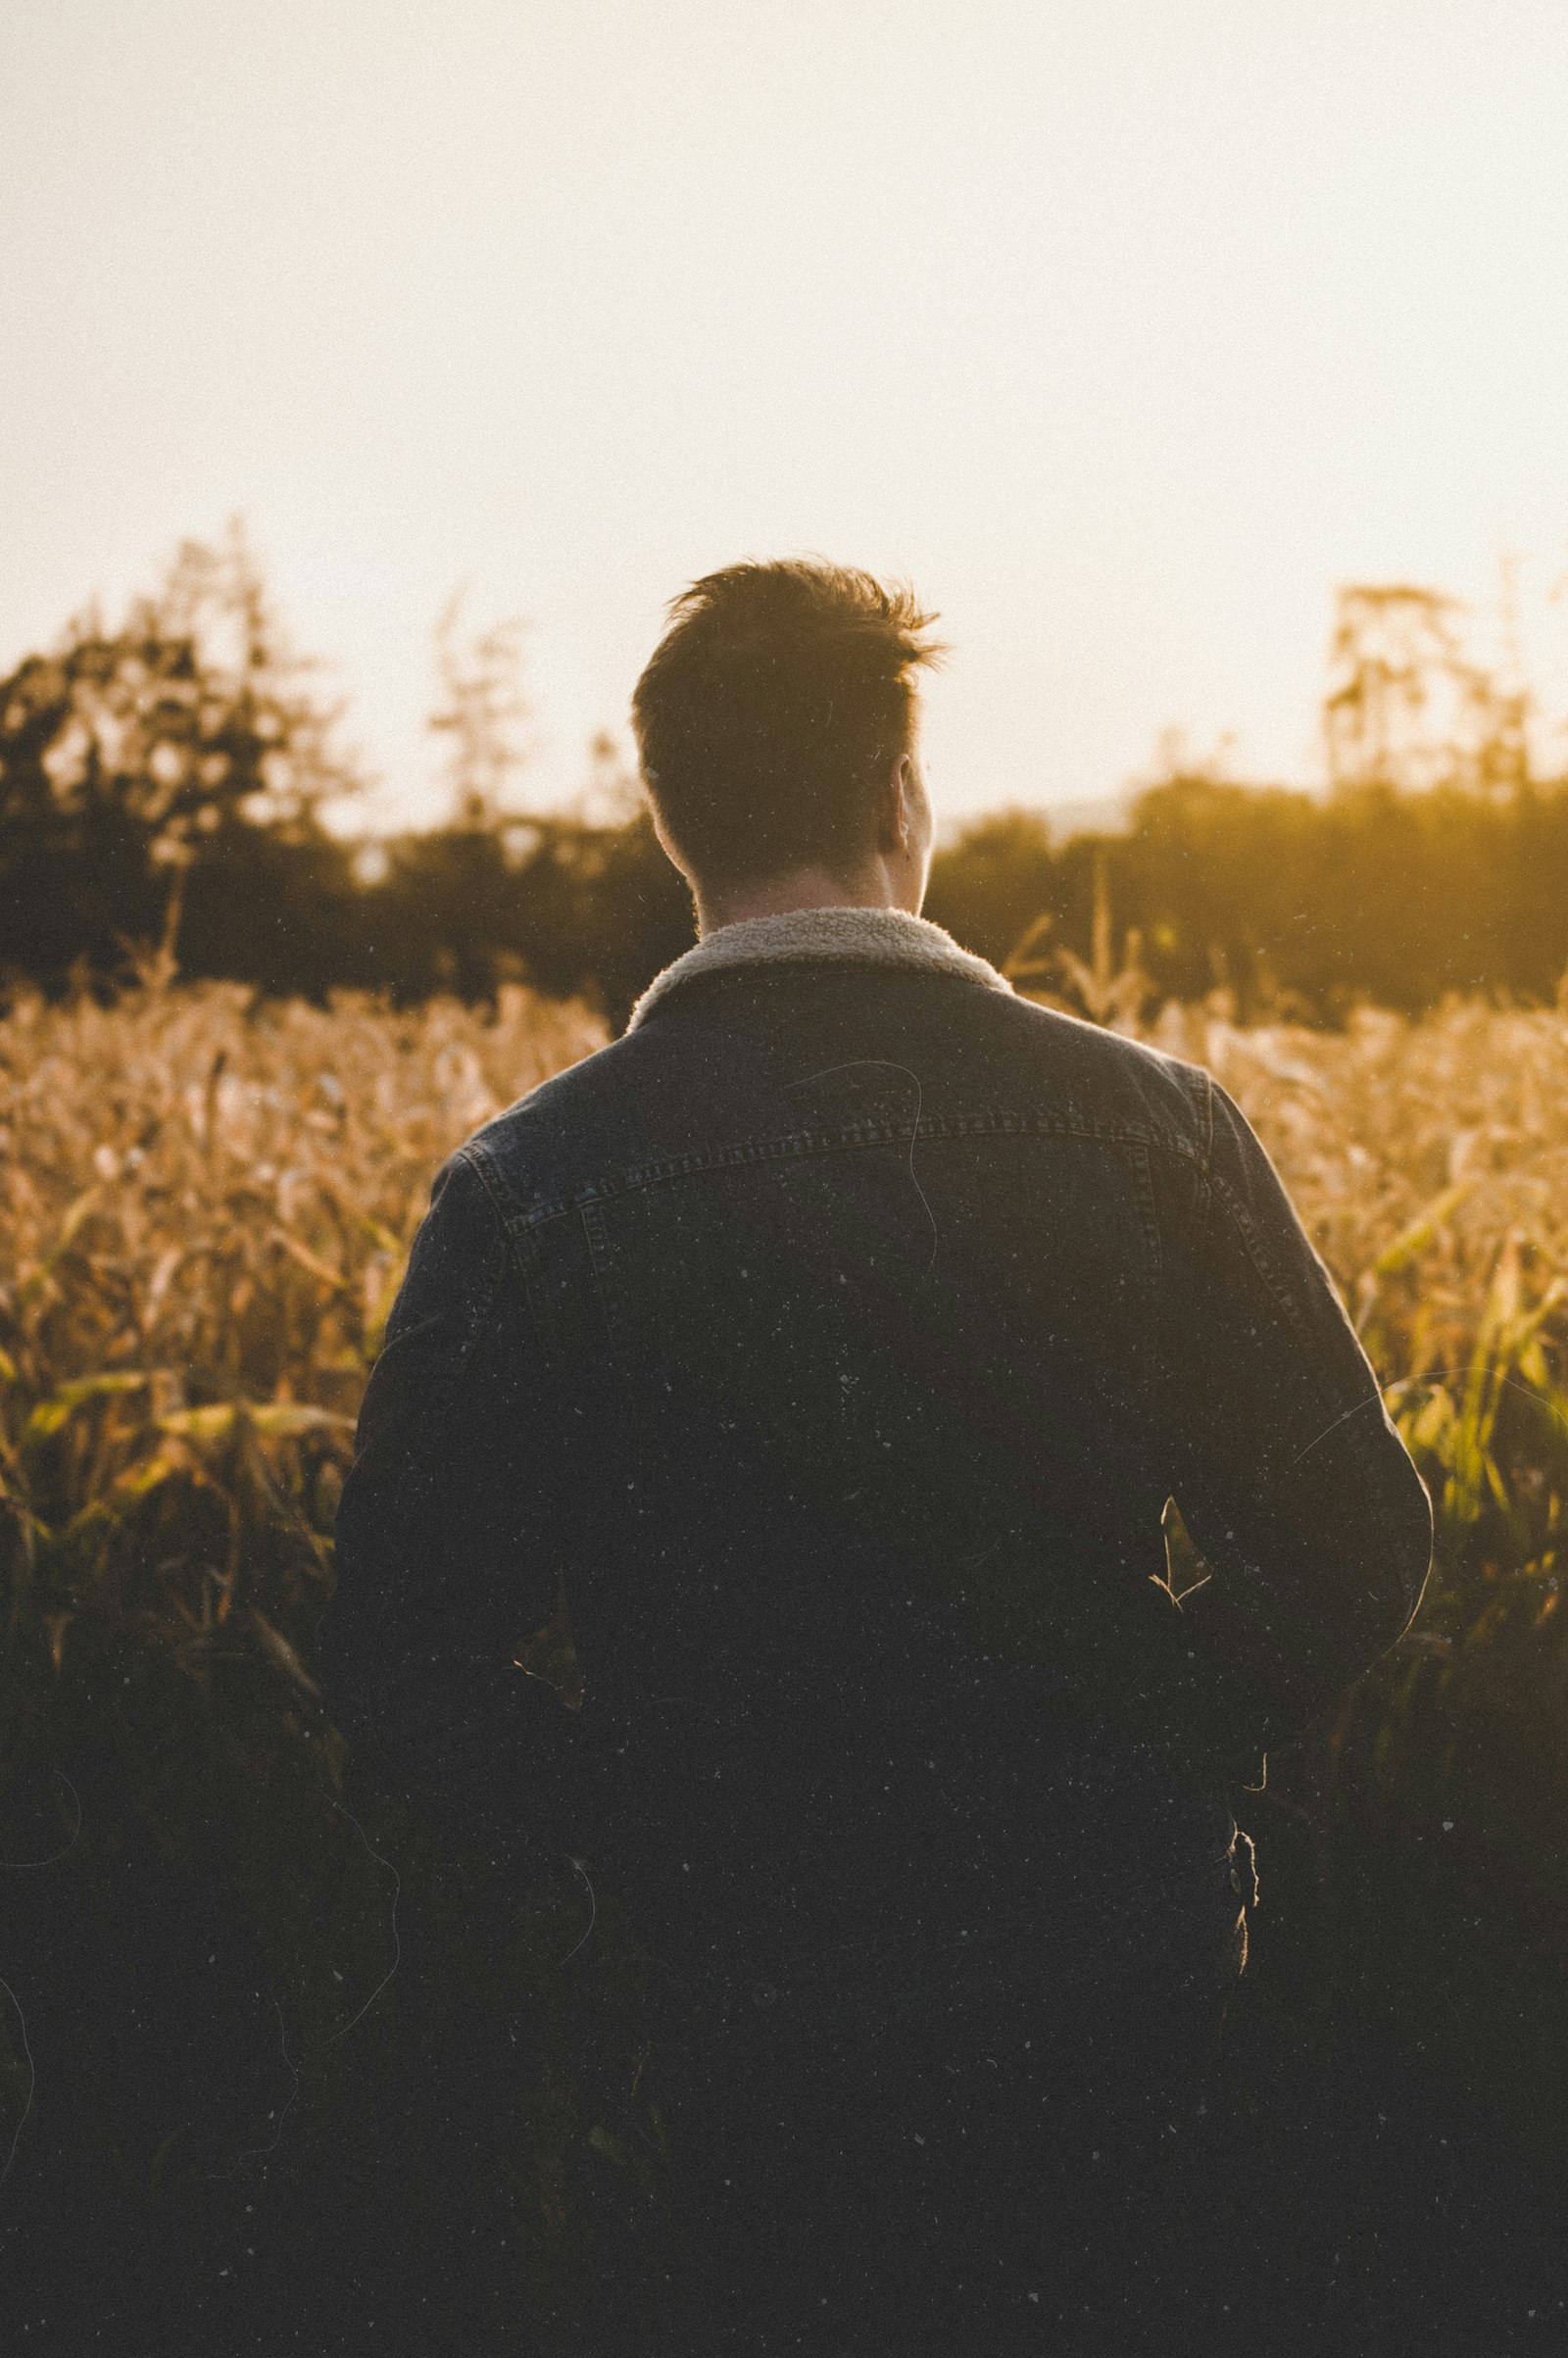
[832, 1344]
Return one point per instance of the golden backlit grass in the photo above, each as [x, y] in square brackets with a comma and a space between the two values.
[206, 1208]
[1430, 1164]
[205, 1211]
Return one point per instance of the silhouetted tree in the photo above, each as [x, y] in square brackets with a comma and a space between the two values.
[480, 716]
[143, 768]
[1408, 703]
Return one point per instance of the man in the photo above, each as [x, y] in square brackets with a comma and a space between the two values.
[837, 1340]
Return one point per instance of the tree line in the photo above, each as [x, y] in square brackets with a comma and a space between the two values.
[164, 783]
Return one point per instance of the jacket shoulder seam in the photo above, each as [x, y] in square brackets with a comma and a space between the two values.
[1274, 1284]
[487, 1170]
[738, 1154]
[498, 1195]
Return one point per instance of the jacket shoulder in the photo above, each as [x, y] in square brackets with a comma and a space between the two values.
[1104, 1074]
[998, 1053]
[577, 1118]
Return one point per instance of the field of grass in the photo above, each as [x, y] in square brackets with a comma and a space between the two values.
[205, 1210]
[204, 1219]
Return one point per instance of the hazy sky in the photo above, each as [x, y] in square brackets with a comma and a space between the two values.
[1126, 327]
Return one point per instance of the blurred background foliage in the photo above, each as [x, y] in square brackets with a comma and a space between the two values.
[168, 780]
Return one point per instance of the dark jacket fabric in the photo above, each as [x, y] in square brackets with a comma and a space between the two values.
[835, 1341]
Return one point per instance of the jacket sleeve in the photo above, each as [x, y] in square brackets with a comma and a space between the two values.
[446, 1545]
[1310, 1517]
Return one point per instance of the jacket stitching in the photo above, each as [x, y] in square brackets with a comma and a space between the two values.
[497, 1254]
[853, 1138]
[1148, 1215]
[485, 1169]
[1265, 1267]
[591, 1219]
[492, 1179]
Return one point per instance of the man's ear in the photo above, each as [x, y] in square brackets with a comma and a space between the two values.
[667, 846]
[893, 817]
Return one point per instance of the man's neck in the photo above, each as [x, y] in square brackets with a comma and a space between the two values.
[798, 888]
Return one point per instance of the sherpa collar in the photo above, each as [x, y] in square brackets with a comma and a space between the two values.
[873, 937]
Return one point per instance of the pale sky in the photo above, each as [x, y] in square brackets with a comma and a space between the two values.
[1127, 328]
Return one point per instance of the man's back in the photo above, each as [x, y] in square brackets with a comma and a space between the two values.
[833, 1344]
[854, 1279]
[836, 1339]
[853, 1322]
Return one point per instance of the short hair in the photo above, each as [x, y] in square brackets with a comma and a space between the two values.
[771, 711]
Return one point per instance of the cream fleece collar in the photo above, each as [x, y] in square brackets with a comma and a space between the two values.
[872, 937]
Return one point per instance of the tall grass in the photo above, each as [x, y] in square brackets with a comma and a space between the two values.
[1430, 1161]
[205, 1211]
[205, 1215]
